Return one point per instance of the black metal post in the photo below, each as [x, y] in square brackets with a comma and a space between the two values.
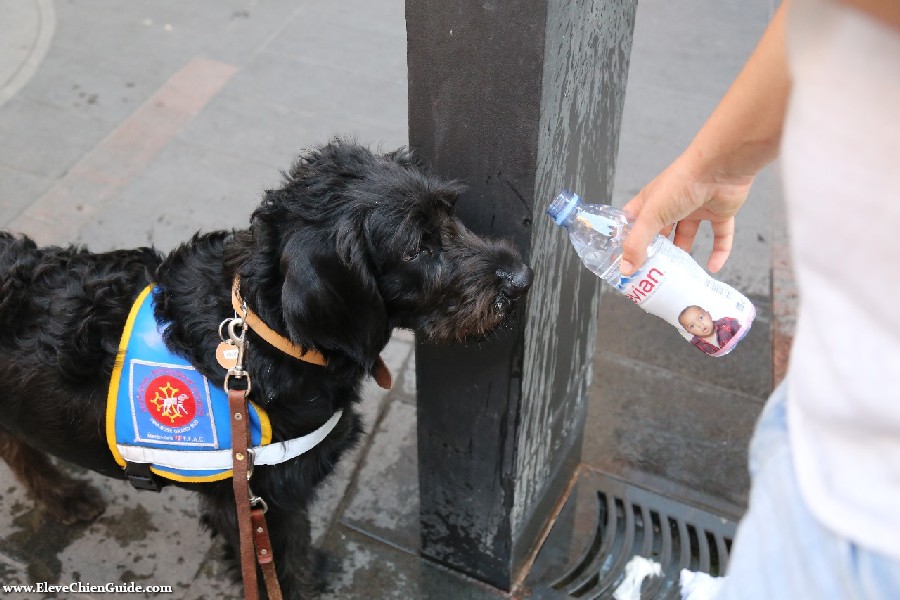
[519, 99]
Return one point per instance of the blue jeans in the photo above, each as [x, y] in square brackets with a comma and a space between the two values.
[781, 551]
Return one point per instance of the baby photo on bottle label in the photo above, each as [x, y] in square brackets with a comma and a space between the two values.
[710, 314]
[709, 334]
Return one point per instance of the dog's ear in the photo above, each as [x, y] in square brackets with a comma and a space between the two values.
[330, 299]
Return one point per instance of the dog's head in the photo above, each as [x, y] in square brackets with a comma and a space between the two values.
[355, 244]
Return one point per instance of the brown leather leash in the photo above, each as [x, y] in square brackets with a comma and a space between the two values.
[254, 535]
[255, 546]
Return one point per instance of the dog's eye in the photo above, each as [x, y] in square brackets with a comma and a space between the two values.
[414, 253]
[411, 254]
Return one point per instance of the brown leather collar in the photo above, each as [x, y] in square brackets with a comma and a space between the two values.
[268, 334]
[380, 371]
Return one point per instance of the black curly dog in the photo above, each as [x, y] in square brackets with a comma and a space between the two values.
[353, 245]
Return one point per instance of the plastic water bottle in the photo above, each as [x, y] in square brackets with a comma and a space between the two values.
[712, 315]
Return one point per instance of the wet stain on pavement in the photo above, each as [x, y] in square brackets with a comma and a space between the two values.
[38, 541]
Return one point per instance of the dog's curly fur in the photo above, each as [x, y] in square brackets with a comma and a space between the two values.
[353, 245]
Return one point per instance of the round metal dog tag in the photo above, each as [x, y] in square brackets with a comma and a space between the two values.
[227, 355]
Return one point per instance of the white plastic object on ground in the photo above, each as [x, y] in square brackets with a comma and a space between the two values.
[637, 569]
[699, 586]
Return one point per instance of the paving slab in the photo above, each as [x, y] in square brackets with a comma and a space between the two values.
[364, 570]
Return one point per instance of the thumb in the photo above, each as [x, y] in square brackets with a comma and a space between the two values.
[634, 248]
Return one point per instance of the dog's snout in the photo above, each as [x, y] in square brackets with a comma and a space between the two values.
[516, 282]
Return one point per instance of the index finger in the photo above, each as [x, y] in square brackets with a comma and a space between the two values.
[723, 238]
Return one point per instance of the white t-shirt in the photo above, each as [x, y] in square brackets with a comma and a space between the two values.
[841, 159]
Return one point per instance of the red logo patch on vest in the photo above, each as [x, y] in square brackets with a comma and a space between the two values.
[170, 401]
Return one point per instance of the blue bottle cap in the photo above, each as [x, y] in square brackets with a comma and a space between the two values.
[560, 209]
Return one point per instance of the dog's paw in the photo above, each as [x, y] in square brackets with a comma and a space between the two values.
[75, 501]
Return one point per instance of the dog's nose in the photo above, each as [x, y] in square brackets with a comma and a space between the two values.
[515, 283]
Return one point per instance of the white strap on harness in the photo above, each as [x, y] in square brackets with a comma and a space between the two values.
[210, 460]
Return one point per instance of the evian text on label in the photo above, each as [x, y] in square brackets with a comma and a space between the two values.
[642, 289]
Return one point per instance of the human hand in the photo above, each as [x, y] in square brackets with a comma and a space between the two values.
[681, 197]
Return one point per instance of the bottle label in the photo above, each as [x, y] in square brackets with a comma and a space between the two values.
[710, 314]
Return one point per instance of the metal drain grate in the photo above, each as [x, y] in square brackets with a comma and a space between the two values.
[606, 521]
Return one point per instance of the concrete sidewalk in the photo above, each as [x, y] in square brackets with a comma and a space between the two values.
[127, 124]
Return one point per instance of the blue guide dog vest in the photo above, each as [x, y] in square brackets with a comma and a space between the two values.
[162, 411]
